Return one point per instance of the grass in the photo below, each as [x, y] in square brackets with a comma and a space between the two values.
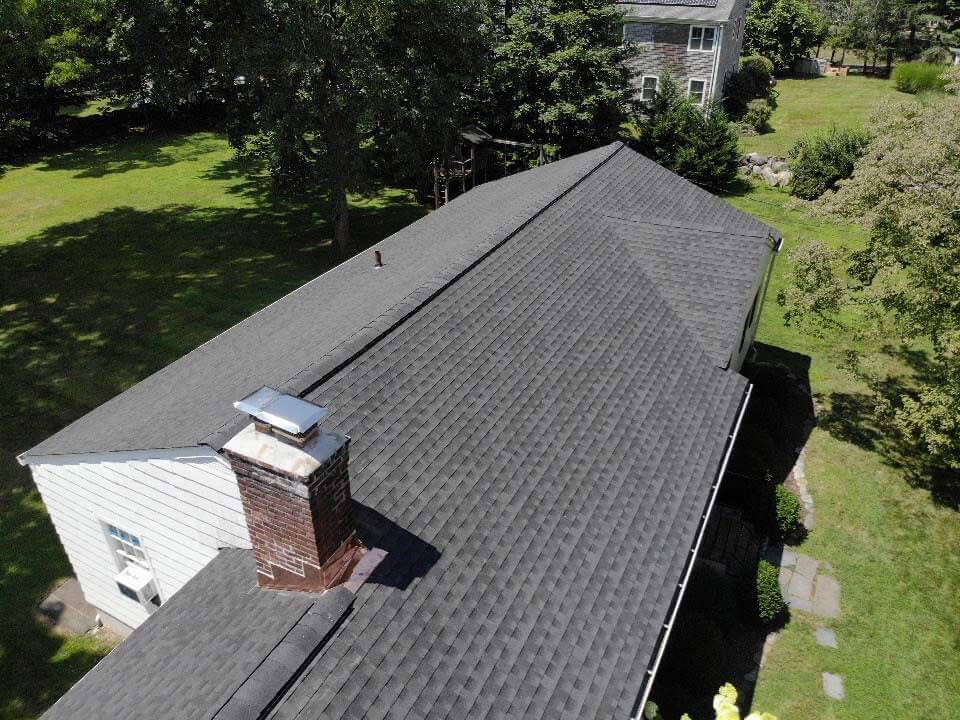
[115, 260]
[810, 104]
[893, 544]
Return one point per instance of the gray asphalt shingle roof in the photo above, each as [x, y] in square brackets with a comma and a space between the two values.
[719, 11]
[537, 425]
[218, 635]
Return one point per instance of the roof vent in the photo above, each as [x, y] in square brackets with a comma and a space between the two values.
[272, 410]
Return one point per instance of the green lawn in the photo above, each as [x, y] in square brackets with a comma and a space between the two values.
[115, 260]
[893, 546]
[809, 104]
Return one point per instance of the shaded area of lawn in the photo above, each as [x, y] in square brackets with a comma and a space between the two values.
[806, 105]
[114, 261]
[891, 537]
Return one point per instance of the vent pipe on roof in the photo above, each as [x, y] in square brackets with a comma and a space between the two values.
[294, 483]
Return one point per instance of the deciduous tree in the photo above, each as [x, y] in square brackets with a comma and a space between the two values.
[558, 74]
[905, 282]
[783, 31]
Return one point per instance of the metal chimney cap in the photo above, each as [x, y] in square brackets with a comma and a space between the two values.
[286, 412]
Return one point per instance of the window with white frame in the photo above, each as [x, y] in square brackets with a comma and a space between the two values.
[702, 38]
[697, 89]
[648, 87]
[128, 551]
[127, 548]
[635, 33]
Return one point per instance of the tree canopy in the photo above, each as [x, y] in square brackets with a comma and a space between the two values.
[783, 31]
[696, 142]
[906, 280]
[558, 75]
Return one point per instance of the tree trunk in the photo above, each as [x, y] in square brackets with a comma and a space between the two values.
[833, 53]
[341, 215]
[843, 54]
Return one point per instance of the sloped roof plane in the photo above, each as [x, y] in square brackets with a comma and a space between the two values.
[538, 425]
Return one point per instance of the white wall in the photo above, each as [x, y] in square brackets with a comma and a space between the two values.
[183, 504]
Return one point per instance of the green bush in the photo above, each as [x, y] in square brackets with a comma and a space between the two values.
[789, 516]
[757, 72]
[752, 81]
[821, 160]
[770, 605]
[919, 77]
[698, 143]
[758, 116]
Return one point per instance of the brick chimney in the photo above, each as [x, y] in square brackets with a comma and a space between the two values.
[295, 487]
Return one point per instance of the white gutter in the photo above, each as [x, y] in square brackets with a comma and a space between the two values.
[682, 587]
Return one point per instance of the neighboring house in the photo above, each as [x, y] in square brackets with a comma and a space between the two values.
[531, 405]
[697, 41]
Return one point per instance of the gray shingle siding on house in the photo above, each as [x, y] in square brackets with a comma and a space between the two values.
[663, 30]
[729, 60]
[668, 52]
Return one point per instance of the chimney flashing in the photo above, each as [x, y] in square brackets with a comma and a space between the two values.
[273, 452]
[285, 412]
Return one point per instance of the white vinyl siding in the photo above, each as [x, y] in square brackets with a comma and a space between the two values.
[703, 38]
[182, 504]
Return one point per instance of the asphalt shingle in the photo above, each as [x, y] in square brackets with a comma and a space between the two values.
[536, 431]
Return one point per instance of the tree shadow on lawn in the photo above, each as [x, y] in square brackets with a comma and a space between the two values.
[132, 153]
[36, 667]
[88, 308]
[854, 417]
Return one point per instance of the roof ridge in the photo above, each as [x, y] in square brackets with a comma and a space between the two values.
[316, 373]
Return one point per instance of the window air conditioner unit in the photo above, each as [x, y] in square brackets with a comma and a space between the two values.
[136, 583]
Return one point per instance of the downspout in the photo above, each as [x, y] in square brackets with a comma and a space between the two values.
[716, 60]
[682, 587]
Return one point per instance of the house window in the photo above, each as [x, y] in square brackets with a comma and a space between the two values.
[702, 38]
[637, 33]
[128, 552]
[648, 87]
[127, 548]
[697, 89]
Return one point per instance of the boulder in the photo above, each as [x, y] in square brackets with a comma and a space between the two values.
[756, 169]
[771, 178]
[757, 159]
[784, 178]
[779, 166]
[744, 170]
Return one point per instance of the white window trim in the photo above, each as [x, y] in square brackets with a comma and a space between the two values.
[118, 552]
[690, 83]
[656, 87]
[703, 29]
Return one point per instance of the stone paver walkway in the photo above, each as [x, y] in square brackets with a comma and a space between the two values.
[826, 637]
[805, 587]
[833, 686]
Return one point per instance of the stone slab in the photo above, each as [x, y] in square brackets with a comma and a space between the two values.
[826, 637]
[807, 566]
[800, 588]
[833, 686]
[826, 597]
[785, 575]
[789, 558]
